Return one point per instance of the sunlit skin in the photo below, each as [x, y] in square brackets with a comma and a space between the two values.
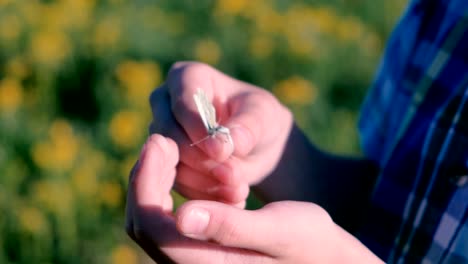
[270, 154]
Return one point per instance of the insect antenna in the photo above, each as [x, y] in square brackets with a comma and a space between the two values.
[199, 141]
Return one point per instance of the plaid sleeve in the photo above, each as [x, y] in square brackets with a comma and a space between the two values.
[414, 122]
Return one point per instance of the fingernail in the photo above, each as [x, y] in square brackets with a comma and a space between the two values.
[162, 141]
[159, 140]
[219, 148]
[194, 223]
[213, 148]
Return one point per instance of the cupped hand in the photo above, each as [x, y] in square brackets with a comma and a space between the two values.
[212, 170]
[214, 232]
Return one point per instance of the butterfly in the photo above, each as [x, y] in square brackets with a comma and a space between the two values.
[208, 116]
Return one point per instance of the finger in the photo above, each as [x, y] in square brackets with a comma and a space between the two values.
[231, 226]
[227, 173]
[193, 194]
[154, 229]
[165, 123]
[183, 82]
[241, 205]
[195, 179]
[255, 120]
[194, 185]
[155, 175]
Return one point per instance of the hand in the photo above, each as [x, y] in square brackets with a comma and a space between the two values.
[282, 232]
[211, 170]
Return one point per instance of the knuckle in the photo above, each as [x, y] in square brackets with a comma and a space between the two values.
[188, 70]
[195, 69]
[156, 137]
[270, 102]
[174, 155]
[177, 65]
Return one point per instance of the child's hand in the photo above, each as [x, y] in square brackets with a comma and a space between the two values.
[212, 170]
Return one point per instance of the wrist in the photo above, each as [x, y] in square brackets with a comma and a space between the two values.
[287, 180]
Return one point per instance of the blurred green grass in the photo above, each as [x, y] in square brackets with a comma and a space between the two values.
[74, 80]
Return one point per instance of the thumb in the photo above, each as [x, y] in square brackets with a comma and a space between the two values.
[231, 226]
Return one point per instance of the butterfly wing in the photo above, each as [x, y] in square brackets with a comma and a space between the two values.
[206, 110]
[208, 115]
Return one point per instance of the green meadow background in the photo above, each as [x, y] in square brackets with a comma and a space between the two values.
[75, 76]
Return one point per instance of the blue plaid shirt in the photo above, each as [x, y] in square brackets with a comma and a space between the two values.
[414, 123]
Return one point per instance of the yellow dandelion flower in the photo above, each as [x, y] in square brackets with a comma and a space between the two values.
[261, 46]
[350, 29]
[10, 28]
[56, 196]
[4, 2]
[303, 44]
[31, 11]
[126, 129]
[296, 90]
[65, 143]
[17, 67]
[32, 220]
[55, 16]
[269, 21]
[50, 47]
[111, 194]
[107, 33]
[84, 181]
[85, 176]
[124, 254]
[208, 51]
[253, 8]
[139, 78]
[41, 155]
[11, 94]
[60, 129]
[325, 19]
[230, 7]
[299, 18]
[79, 11]
[60, 151]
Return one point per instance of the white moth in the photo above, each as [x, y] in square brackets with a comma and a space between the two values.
[208, 116]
